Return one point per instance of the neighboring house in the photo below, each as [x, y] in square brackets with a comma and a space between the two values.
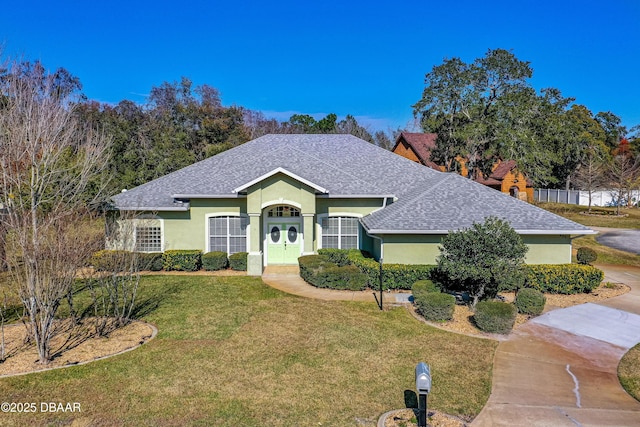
[504, 177]
[282, 196]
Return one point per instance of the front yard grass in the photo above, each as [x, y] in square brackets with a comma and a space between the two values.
[629, 372]
[231, 351]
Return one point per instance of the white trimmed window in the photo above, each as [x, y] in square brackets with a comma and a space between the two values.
[340, 232]
[228, 234]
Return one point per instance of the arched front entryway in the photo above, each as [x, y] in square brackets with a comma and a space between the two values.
[283, 235]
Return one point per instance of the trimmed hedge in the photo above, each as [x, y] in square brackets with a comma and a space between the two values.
[586, 256]
[530, 301]
[119, 261]
[111, 260]
[151, 261]
[216, 260]
[394, 276]
[563, 278]
[495, 316]
[322, 273]
[182, 260]
[434, 305]
[238, 261]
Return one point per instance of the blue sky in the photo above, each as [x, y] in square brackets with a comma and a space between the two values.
[365, 58]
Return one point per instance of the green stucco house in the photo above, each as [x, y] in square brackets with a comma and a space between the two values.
[282, 196]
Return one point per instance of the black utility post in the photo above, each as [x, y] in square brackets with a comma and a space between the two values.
[423, 386]
[381, 280]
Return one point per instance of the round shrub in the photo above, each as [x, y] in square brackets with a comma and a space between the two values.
[435, 305]
[424, 286]
[238, 261]
[216, 260]
[530, 301]
[586, 256]
[495, 316]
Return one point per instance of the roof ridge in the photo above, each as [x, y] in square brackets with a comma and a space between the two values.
[306, 153]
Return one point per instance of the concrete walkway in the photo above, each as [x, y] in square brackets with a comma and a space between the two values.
[561, 368]
[287, 279]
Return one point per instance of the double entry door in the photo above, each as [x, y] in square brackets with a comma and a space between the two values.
[283, 242]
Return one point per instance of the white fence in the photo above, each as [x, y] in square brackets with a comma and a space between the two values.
[581, 197]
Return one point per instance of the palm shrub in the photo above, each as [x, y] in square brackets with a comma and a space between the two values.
[495, 316]
[530, 301]
[482, 259]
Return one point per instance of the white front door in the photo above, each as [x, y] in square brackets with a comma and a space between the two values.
[283, 242]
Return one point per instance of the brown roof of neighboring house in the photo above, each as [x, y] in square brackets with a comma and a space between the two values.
[422, 144]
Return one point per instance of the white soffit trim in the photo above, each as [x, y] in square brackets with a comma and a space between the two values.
[283, 171]
[529, 232]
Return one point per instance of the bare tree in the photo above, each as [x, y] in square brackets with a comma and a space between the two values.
[47, 162]
[591, 175]
[624, 175]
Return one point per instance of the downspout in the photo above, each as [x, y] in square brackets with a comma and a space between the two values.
[381, 256]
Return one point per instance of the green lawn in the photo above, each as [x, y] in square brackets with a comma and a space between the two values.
[233, 352]
[629, 372]
[600, 216]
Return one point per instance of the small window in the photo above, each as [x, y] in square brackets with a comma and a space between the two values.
[292, 234]
[340, 232]
[283, 211]
[148, 239]
[275, 234]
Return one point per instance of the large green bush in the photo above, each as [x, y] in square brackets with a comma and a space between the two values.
[216, 260]
[182, 260]
[495, 316]
[482, 259]
[435, 306]
[586, 256]
[340, 257]
[530, 301]
[562, 278]
[238, 261]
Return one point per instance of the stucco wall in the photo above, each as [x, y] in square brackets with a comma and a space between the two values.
[188, 230]
[416, 249]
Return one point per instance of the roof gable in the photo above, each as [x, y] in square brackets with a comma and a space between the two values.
[282, 171]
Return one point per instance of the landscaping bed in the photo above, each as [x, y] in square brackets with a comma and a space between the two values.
[462, 321]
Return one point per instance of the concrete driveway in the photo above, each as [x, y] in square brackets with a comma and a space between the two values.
[619, 238]
[561, 368]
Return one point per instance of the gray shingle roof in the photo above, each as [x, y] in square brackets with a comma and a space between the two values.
[427, 200]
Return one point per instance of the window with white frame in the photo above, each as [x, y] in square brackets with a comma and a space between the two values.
[148, 236]
[340, 232]
[228, 234]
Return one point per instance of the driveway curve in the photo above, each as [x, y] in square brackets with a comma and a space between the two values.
[625, 239]
[561, 368]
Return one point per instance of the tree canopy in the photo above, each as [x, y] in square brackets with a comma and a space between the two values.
[487, 110]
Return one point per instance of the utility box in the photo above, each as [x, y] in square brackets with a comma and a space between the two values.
[423, 378]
